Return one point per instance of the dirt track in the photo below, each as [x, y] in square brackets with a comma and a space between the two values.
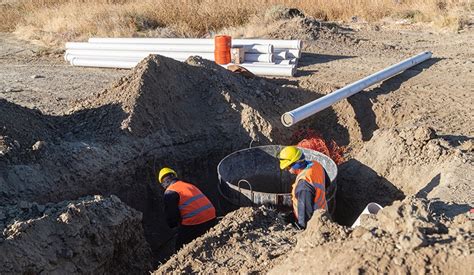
[411, 135]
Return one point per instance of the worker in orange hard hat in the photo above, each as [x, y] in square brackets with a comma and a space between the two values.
[308, 192]
[185, 206]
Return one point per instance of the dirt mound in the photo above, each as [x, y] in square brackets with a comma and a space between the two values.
[89, 235]
[411, 161]
[431, 160]
[402, 238]
[249, 240]
[21, 128]
[284, 23]
[176, 99]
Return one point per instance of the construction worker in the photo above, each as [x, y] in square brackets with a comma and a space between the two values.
[185, 206]
[308, 192]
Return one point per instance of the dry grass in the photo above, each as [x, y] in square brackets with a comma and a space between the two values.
[56, 21]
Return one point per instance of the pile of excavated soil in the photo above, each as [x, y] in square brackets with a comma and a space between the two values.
[21, 127]
[284, 23]
[248, 240]
[411, 161]
[403, 238]
[89, 235]
[196, 98]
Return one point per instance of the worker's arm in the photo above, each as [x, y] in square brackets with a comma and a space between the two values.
[171, 201]
[305, 194]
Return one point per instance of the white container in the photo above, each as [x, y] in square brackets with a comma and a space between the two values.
[371, 209]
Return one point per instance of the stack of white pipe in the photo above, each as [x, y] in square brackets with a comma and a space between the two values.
[262, 56]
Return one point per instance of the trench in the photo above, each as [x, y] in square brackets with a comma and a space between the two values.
[357, 186]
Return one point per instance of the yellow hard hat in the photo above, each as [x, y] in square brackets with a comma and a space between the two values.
[288, 156]
[165, 171]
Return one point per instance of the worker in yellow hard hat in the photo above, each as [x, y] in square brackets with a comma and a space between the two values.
[185, 206]
[308, 192]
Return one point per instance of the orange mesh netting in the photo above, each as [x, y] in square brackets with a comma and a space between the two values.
[311, 140]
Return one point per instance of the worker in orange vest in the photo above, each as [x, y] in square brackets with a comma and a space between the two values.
[186, 206]
[308, 192]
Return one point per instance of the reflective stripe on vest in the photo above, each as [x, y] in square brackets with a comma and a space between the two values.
[314, 175]
[194, 206]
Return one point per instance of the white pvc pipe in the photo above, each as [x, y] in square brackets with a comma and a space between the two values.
[91, 54]
[266, 48]
[271, 70]
[322, 103]
[133, 54]
[172, 41]
[288, 44]
[290, 53]
[103, 63]
[371, 209]
[283, 62]
[255, 57]
[280, 55]
[70, 57]
[140, 47]
[294, 61]
[254, 48]
[265, 64]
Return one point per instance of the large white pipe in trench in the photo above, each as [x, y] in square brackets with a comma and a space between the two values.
[266, 48]
[287, 44]
[271, 70]
[290, 118]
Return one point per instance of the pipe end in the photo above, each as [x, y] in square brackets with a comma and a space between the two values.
[287, 119]
[300, 44]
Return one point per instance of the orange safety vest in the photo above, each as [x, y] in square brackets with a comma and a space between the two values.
[314, 175]
[194, 206]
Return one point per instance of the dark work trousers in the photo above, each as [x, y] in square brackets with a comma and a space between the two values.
[187, 233]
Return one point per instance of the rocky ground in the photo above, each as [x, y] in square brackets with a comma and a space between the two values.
[69, 132]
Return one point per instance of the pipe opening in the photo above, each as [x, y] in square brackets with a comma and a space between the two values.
[287, 119]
